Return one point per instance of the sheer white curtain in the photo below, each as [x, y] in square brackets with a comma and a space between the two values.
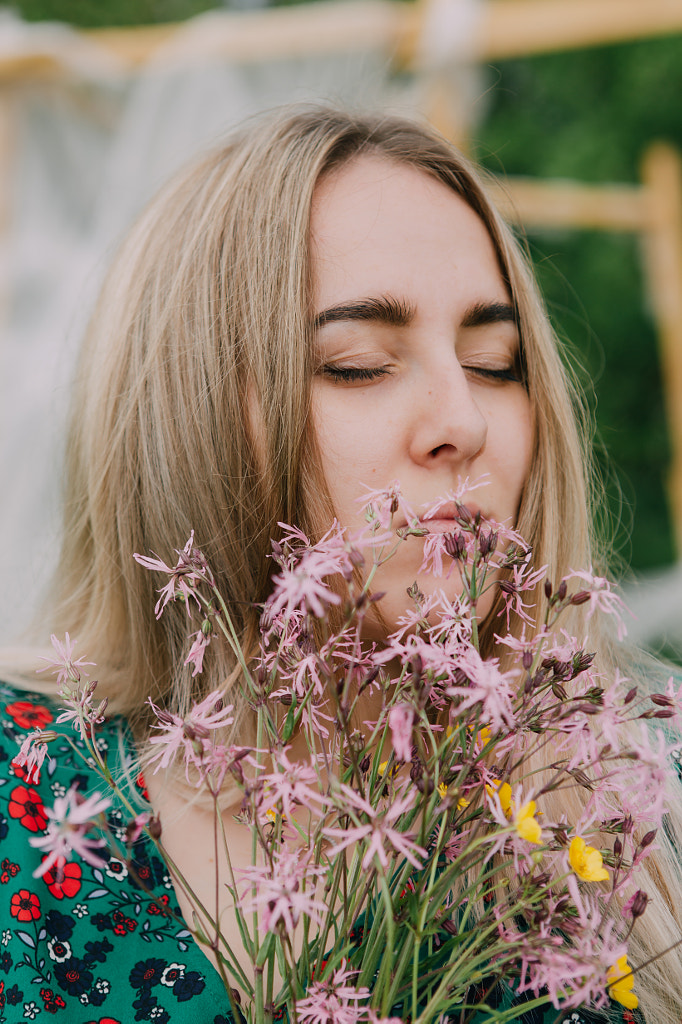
[90, 145]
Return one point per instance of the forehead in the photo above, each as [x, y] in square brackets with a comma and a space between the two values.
[381, 225]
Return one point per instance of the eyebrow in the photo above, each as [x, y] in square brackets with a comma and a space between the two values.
[386, 309]
[483, 313]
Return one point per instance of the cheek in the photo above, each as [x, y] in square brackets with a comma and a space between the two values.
[517, 441]
[510, 445]
[354, 447]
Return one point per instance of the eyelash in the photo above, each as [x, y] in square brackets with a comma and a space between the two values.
[510, 373]
[352, 374]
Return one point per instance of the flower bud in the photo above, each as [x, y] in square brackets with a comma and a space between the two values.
[661, 700]
[454, 545]
[548, 590]
[639, 904]
[581, 597]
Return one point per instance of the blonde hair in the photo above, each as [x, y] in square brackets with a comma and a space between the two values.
[205, 317]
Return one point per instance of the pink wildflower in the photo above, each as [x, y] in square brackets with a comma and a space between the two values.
[71, 819]
[190, 734]
[381, 837]
[198, 649]
[290, 785]
[383, 505]
[302, 587]
[456, 496]
[334, 1001]
[136, 827]
[598, 591]
[64, 666]
[80, 710]
[574, 975]
[190, 569]
[400, 722]
[489, 687]
[283, 891]
[522, 580]
[32, 754]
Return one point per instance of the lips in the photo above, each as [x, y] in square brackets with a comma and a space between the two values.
[438, 525]
[441, 518]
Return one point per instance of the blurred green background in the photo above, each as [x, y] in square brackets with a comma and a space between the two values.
[588, 115]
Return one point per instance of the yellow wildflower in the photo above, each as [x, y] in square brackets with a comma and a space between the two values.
[524, 819]
[586, 861]
[526, 825]
[442, 790]
[504, 792]
[621, 982]
[483, 737]
[462, 803]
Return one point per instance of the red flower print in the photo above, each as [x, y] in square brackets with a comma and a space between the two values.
[8, 870]
[32, 776]
[142, 786]
[25, 906]
[104, 1020]
[25, 804]
[51, 1002]
[64, 880]
[28, 715]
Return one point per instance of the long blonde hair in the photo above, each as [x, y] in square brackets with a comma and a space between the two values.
[205, 317]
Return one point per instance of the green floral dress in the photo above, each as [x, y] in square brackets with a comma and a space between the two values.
[102, 945]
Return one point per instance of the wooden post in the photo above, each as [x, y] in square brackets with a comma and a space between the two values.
[570, 204]
[662, 177]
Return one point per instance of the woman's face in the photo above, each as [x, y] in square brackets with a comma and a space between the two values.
[417, 350]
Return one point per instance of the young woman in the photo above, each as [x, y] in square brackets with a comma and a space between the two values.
[326, 304]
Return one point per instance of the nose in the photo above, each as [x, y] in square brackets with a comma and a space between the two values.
[448, 426]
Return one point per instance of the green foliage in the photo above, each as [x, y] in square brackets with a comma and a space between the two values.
[101, 13]
[590, 115]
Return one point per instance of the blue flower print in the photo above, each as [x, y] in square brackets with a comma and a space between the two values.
[190, 984]
[146, 973]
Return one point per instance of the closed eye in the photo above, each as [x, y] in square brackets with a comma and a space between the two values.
[507, 373]
[352, 374]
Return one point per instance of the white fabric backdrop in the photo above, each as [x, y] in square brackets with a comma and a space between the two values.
[90, 149]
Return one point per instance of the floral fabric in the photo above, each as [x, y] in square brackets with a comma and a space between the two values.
[94, 947]
[105, 945]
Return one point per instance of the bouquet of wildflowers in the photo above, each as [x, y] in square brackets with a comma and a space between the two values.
[405, 863]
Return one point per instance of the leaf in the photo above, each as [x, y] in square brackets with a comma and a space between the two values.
[145, 926]
[96, 894]
[183, 947]
[27, 939]
[98, 876]
[41, 934]
[289, 723]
